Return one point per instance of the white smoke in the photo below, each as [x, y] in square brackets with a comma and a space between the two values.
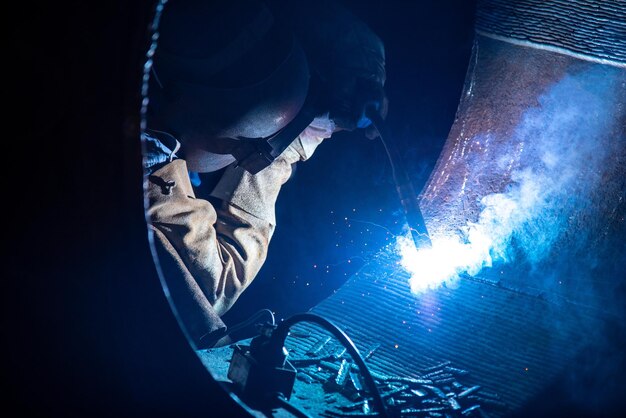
[560, 164]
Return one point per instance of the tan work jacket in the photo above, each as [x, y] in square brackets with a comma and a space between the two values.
[208, 254]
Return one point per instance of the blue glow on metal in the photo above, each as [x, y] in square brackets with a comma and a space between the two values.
[551, 182]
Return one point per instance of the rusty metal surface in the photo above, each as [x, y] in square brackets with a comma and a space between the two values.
[519, 106]
[503, 82]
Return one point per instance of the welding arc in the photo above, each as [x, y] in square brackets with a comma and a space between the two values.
[282, 331]
[404, 186]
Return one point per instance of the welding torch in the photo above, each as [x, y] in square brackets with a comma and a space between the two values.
[404, 186]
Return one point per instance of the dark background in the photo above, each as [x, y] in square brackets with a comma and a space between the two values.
[86, 328]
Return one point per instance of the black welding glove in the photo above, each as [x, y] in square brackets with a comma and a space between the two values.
[351, 96]
[347, 56]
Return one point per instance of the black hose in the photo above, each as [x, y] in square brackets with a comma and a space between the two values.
[282, 331]
[256, 316]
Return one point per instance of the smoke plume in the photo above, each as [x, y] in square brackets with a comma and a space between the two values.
[559, 168]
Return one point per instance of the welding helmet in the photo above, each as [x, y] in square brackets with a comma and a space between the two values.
[230, 82]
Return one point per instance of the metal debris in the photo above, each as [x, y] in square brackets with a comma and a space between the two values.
[418, 392]
[366, 407]
[353, 406]
[413, 411]
[339, 353]
[454, 404]
[437, 391]
[329, 365]
[304, 377]
[355, 379]
[468, 391]
[317, 346]
[433, 374]
[302, 362]
[489, 395]
[470, 409]
[394, 391]
[443, 381]
[456, 371]
[342, 373]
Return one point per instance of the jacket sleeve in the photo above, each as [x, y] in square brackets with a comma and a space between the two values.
[210, 252]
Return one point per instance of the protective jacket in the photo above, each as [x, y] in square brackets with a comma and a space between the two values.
[210, 250]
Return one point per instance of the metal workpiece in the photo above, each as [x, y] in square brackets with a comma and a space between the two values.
[543, 109]
[492, 137]
[533, 120]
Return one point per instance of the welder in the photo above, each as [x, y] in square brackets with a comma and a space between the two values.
[239, 92]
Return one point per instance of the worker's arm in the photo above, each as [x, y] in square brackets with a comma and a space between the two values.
[210, 252]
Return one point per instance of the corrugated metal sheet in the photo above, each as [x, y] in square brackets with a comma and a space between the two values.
[593, 28]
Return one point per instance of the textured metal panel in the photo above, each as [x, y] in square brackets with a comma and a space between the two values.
[511, 343]
[596, 29]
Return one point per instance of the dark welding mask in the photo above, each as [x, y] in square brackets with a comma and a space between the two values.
[229, 80]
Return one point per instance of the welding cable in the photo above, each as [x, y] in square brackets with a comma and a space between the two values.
[255, 317]
[282, 331]
[289, 407]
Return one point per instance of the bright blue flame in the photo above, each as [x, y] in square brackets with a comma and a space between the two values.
[484, 241]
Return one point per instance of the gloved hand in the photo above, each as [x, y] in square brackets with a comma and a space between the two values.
[321, 128]
[350, 100]
[356, 81]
